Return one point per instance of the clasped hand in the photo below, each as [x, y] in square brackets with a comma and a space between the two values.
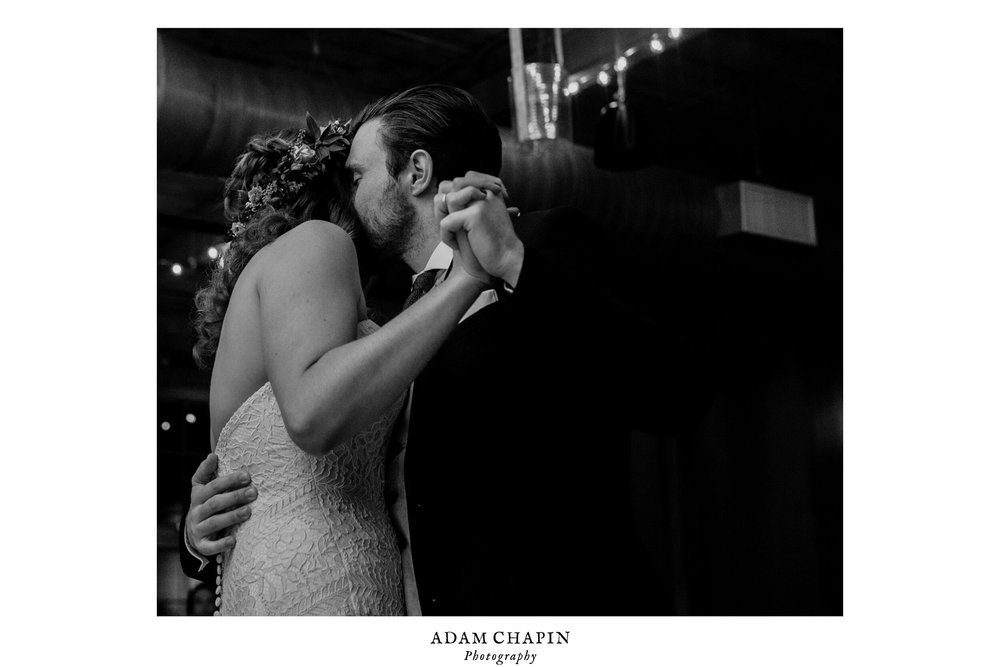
[476, 224]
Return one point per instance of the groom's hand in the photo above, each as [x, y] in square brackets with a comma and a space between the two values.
[473, 179]
[464, 189]
[216, 504]
[454, 196]
[477, 213]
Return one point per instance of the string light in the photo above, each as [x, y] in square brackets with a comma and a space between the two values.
[190, 418]
[165, 426]
[214, 253]
[602, 73]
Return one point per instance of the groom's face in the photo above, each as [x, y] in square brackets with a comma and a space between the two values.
[385, 211]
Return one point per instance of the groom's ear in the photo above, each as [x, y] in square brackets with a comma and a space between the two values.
[420, 174]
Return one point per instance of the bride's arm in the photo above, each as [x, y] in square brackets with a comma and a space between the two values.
[328, 383]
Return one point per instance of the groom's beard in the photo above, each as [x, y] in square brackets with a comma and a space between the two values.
[391, 226]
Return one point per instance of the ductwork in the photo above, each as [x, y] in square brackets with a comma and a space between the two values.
[644, 208]
[208, 107]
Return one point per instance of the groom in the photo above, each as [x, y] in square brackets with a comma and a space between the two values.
[510, 487]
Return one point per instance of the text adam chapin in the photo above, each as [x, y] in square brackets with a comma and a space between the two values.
[502, 637]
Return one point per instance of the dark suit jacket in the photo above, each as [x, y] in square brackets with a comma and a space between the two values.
[517, 466]
[517, 463]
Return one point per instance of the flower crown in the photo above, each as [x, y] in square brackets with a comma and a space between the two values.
[307, 157]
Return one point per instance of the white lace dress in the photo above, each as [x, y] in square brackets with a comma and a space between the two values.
[319, 541]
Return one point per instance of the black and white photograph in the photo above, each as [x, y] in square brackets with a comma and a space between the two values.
[499, 322]
[585, 342]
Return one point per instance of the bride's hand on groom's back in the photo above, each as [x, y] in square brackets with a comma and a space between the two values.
[216, 504]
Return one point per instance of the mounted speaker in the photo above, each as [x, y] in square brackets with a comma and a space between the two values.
[759, 209]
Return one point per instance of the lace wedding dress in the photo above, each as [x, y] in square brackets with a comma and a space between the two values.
[319, 540]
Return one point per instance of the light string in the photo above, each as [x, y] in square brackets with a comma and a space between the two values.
[601, 74]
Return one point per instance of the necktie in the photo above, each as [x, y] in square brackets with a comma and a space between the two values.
[422, 284]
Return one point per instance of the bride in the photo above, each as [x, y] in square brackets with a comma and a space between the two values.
[305, 388]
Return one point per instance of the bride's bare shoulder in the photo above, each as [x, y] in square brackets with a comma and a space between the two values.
[313, 241]
[311, 233]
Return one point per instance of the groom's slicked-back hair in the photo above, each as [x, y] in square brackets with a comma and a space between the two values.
[447, 122]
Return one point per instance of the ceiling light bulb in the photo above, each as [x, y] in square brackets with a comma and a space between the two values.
[177, 269]
[621, 64]
[655, 44]
[675, 33]
[604, 78]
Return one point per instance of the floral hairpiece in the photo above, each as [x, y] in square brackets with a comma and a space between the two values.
[307, 157]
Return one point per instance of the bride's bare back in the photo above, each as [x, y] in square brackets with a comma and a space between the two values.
[240, 367]
[319, 539]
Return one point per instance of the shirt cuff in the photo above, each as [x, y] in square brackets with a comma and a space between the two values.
[204, 561]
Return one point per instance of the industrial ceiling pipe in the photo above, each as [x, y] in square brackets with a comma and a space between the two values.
[208, 107]
[647, 206]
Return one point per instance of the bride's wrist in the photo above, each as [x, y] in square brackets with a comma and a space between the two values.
[466, 282]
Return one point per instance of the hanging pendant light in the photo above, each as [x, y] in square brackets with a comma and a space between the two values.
[538, 99]
[616, 145]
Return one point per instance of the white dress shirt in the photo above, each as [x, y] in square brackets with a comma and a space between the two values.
[441, 258]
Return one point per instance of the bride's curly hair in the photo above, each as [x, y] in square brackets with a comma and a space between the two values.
[326, 196]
